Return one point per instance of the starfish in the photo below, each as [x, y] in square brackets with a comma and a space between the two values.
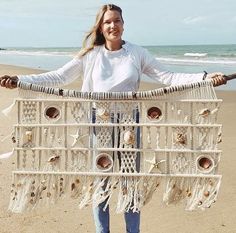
[77, 137]
[155, 164]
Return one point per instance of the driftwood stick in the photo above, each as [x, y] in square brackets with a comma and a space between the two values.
[120, 95]
[230, 76]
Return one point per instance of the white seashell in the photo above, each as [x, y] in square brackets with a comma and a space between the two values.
[29, 135]
[214, 110]
[129, 137]
[45, 131]
[54, 159]
[179, 112]
[103, 113]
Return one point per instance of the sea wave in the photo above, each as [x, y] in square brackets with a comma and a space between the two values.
[195, 54]
[188, 58]
[196, 61]
[37, 53]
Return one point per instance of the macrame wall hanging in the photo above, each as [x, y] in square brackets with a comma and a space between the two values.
[92, 145]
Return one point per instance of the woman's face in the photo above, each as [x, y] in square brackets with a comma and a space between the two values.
[112, 26]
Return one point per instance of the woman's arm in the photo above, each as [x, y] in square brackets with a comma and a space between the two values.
[152, 68]
[62, 76]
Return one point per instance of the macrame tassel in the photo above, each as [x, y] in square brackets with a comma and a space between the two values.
[7, 155]
[20, 200]
[8, 110]
[76, 185]
[149, 186]
[175, 190]
[87, 192]
[104, 190]
[197, 192]
[128, 197]
[204, 193]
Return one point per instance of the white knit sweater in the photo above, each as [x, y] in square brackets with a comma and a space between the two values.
[104, 70]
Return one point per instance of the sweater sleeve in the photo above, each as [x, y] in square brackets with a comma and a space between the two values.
[152, 68]
[62, 76]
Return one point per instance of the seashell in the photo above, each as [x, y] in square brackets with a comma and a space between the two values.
[154, 113]
[181, 138]
[29, 135]
[13, 139]
[206, 193]
[72, 186]
[52, 112]
[205, 163]
[205, 112]
[211, 183]
[124, 191]
[189, 194]
[103, 114]
[214, 110]
[129, 137]
[45, 131]
[104, 161]
[200, 203]
[179, 112]
[54, 158]
[32, 194]
[219, 140]
[49, 194]
[179, 192]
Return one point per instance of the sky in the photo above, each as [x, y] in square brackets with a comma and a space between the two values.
[64, 23]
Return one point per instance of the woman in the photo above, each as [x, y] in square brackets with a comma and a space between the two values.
[108, 63]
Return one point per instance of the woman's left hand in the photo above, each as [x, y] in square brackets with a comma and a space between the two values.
[217, 78]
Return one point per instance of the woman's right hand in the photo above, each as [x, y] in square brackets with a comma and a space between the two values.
[8, 81]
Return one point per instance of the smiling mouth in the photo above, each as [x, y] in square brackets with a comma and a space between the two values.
[114, 33]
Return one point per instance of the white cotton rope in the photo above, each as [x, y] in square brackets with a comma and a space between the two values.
[96, 146]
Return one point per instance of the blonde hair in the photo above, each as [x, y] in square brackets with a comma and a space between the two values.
[94, 36]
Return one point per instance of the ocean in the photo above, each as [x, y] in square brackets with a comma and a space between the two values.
[181, 58]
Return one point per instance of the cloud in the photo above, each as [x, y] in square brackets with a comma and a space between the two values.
[193, 19]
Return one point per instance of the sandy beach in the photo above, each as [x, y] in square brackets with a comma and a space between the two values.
[66, 217]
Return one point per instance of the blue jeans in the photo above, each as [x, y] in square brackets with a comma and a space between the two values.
[102, 219]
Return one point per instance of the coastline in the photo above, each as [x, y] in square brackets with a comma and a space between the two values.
[144, 85]
[156, 217]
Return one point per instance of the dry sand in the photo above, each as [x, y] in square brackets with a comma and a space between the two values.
[65, 217]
